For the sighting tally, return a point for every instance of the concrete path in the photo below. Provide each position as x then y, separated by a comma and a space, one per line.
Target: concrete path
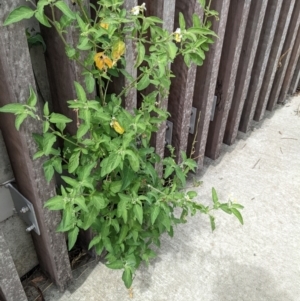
259, 261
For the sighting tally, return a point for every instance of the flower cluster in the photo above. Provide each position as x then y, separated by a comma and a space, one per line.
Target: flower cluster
138, 9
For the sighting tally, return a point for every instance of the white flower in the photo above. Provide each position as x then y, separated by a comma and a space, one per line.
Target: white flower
178, 35
137, 9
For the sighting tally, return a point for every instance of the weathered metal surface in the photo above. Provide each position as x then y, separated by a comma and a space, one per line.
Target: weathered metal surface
290, 70
260, 63
233, 41
252, 34
280, 35
182, 87
11, 288
286, 55
205, 84
16, 75
295, 80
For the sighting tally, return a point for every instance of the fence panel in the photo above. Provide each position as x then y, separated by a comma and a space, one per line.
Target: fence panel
295, 80
182, 87
280, 35
233, 41
260, 63
253, 31
16, 74
285, 57
290, 70
206, 83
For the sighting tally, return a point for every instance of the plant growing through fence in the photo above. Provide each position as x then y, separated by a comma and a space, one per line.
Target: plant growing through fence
108, 166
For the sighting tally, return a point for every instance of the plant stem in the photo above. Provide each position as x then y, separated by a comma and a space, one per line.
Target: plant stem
79, 2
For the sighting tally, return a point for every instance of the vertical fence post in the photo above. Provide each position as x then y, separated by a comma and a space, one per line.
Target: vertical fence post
290, 70
16, 75
252, 34
285, 57
10, 285
260, 63
206, 83
182, 87
233, 41
280, 35
295, 80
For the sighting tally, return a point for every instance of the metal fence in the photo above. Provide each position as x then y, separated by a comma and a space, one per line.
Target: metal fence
252, 66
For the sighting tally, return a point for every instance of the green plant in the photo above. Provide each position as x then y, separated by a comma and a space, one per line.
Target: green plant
108, 166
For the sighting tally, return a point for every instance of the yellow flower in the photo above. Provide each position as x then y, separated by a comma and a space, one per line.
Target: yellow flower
117, 127
178, 35
102, 61
104, 25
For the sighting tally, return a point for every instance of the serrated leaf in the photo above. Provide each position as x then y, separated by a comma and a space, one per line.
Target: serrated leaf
144, 82
116, 265
94, 241
48, 170
89, 82
80, 201
48, 141
138, 211
127, 277
55, 203
13, 108
57, 164
133, 160
80, 92
123, 233
192, 194
63, 7
32, 100
18, 14
82, 130
41, 17
70, 181
59, 118
154, 213
172, 50
19, 120
238, 215
38, 155
46, 109
110, 163
141, 54
72, 237
73, 162
46, 126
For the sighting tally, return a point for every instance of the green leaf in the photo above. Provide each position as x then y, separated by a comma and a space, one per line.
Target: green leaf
196, 21
13, 108
89, 82
115, 265
80, 92
57, 164
141, 54
55, 203
144, 82
181, 176
38, 155
46, 126
32, 100
238, 215
18, 14
94, 241
73, 162
46, 109
192, 194
133, 160
66, 223
48, 141
82, 130
71, 52
41, 17
214, 196
123, 233
72, 237
70, 181
172, 50
48, 170
80, 201
110, 163
19, 120
63, 7
154, 213
212, 222
127, 277
59, 118
138, 211
181, 21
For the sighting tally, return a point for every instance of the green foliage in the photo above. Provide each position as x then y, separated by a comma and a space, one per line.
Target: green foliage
110, 181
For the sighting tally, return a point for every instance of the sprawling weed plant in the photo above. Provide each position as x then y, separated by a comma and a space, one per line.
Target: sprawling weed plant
110, 183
